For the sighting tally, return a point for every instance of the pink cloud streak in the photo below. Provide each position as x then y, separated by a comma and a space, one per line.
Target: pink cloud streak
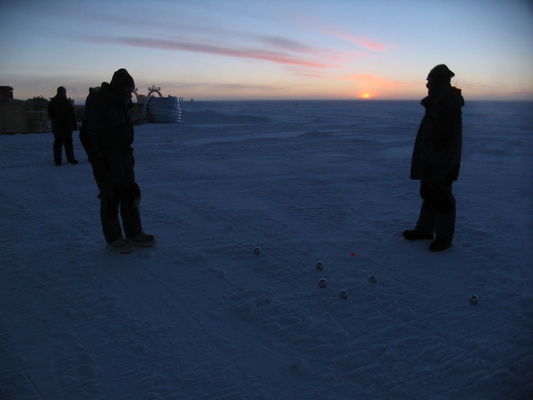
366, 43
176, 45
360, 41
318, 26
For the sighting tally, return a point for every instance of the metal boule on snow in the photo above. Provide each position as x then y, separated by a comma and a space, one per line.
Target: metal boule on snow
343, 294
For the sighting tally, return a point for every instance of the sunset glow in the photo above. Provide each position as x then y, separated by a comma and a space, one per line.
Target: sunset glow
240, 49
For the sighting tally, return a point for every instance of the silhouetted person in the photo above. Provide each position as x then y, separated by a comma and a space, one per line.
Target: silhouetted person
108, 126
437, 158
63, 117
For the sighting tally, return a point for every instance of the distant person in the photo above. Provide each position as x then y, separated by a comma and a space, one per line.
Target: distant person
436, 159
63, 117
107, 135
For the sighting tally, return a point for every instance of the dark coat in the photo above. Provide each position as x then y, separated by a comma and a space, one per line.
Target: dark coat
108, 122
437, 151
62, 114
111, 134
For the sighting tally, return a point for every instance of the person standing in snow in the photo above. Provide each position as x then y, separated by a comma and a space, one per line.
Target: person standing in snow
63, 117
107, 137
436, 159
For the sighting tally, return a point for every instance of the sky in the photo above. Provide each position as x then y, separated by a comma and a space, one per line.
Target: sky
276, 49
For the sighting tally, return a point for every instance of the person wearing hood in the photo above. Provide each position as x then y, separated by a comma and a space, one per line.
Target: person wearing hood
436, 159
108, 138
63, 117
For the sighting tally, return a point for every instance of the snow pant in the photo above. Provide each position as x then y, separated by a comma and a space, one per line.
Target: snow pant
131, 218
119, 194
63, 139
437, 214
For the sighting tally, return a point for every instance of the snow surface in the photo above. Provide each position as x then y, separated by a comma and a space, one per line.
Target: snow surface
200, 316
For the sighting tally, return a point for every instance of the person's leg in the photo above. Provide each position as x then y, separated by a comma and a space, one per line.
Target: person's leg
109, 217
131, 218
69, 150
425, 225
58, 149
427, 218
445, 216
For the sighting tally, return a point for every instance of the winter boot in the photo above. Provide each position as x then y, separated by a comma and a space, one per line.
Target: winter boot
142, 240
439, 245
120, 245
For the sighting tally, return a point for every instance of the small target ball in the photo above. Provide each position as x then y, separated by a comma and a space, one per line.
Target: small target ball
343, 294
322, 283
257, 250
474, 299
372, 279
319, 266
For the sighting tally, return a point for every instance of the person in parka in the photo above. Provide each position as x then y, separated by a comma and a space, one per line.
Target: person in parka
107, 137
436, 159
63, 117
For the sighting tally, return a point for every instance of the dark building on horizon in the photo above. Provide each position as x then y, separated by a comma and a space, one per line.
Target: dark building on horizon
6, 93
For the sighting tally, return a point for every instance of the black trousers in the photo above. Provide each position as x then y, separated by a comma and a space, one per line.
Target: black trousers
60, 140
115, 179
437, 214
110, 207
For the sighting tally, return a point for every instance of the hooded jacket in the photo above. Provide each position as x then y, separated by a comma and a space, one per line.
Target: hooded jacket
110, 130
437, 151
108, 122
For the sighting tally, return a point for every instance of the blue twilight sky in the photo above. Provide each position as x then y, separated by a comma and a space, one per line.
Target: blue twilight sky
274, 49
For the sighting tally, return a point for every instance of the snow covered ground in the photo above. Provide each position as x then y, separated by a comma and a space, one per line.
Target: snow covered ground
200, 316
